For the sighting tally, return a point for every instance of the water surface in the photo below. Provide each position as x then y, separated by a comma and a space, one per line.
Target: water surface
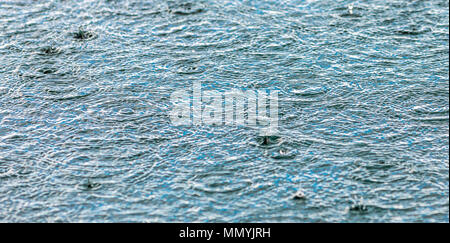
85, 134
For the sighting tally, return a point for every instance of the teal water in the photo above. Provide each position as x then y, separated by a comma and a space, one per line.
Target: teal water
85, 134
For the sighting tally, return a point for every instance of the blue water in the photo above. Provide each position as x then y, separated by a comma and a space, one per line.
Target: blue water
85, 134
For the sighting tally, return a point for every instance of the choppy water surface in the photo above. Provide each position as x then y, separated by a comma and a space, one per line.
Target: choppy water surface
85, 133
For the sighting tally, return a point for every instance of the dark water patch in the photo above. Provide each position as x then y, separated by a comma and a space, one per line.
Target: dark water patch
189, 66
48, 70
268, 140
360, 208
350, 15
89, 185
283, 153
50, 50
83, 34
184, 9
412, 32
299, 195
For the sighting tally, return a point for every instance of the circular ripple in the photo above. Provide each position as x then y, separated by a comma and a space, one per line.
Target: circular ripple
219, 183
